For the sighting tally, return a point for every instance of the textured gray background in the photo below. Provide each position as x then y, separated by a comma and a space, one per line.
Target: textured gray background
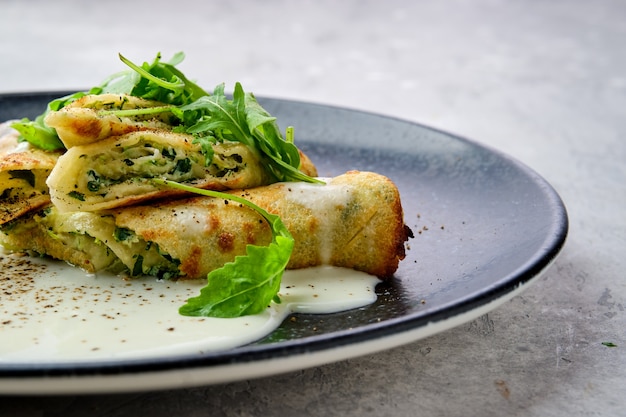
544, 81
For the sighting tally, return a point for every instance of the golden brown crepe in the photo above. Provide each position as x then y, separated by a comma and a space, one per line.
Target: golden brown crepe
85, 120
23, 173
45, 232
354, 221
117, 171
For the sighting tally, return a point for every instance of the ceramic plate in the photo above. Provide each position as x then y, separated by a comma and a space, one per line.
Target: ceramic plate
485, 226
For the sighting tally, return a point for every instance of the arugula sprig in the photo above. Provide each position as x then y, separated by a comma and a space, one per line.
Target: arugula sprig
247, 285
204, 115
242, 119
160, 81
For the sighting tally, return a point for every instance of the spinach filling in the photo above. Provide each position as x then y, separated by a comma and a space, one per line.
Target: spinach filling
147, 160
148, 258
23, 174
6, 194
20, 184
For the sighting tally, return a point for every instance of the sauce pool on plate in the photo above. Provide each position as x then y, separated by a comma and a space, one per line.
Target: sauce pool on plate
52, 312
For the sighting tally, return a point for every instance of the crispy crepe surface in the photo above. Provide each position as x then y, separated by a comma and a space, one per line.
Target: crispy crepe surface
355, 221
23, 173
82, 121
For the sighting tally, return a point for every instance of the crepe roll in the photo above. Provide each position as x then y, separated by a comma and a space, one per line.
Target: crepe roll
86, 120
23, 173
117, 171
354, 221
57, 235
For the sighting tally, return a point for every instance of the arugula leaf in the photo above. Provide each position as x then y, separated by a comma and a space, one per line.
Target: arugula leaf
213, 116
242, 119
160, 81
156, 81
283, 154
247, 285
38, 134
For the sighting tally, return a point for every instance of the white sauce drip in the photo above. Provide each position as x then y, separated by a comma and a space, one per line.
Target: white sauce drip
59, 314
323, 203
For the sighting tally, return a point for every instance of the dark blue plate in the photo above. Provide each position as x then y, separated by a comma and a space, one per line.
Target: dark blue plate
484, 224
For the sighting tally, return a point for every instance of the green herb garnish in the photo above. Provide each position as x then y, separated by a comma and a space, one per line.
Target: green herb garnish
242, 119
122, 234
38, 134
249, 283
160, 81
77, 195
209, 117
609, 344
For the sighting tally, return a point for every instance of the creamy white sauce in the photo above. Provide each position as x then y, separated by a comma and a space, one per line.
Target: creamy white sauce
322, 200
50, 312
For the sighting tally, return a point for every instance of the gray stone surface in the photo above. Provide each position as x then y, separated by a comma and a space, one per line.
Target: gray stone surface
544, 82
